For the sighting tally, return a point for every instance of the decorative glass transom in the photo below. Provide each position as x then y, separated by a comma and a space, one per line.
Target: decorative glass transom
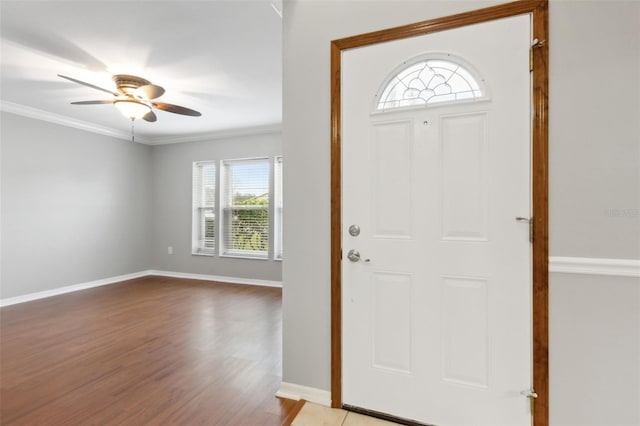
429, 81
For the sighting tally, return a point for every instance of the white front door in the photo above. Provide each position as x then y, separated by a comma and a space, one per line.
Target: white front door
437, 311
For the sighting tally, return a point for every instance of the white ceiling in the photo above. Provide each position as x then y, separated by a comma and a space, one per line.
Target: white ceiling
222, 58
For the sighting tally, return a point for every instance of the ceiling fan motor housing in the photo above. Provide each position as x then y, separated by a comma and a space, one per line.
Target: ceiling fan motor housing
127, 84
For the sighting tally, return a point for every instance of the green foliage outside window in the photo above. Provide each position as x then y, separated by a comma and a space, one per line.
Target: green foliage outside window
250, 225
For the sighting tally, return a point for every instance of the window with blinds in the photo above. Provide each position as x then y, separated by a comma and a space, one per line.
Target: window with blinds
204, 207
278, 208
245, 208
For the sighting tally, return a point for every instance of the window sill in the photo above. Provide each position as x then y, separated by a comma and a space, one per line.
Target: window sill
242, 256
203, 254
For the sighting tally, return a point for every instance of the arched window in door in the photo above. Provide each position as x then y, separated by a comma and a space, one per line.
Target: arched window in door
430, 79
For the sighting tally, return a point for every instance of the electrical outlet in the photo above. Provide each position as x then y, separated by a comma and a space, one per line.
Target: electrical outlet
170, 250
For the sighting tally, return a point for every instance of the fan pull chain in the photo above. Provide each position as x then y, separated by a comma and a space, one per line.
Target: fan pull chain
132, 135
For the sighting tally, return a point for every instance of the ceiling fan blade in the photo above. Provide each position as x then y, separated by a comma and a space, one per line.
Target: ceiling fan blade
84, 83
151, 91
150, 116
176, 109
91, 102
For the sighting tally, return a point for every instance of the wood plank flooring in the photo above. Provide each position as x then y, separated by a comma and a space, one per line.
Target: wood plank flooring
154, 350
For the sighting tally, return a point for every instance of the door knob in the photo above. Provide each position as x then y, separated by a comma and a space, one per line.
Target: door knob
354, 256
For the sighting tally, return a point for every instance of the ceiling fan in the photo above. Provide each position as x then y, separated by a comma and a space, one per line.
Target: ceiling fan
134, 98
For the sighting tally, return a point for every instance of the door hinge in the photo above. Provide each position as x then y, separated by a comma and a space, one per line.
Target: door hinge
537, 44
529, 393
532, 395
529, 221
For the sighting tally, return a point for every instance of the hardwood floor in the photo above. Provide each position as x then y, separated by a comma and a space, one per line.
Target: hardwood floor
154, 350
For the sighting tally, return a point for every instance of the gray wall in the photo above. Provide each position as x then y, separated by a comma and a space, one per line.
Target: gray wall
79, 207
594, 203
594, 126
594, 163
172, 175
594, 350
75, 206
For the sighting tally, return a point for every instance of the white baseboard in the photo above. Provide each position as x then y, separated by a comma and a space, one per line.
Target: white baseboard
70, 288
112, 280
219, 278
595, 266
557, 264
298, 392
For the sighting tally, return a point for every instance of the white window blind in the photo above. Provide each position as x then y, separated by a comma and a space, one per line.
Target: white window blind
246, 208
278, 208
204, 207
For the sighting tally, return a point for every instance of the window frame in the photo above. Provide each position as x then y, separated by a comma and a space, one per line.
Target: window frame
226, 209
198, 242
278, 207
274, 210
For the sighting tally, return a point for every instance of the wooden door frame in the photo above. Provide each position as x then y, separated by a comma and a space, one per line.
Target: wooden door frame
539, 11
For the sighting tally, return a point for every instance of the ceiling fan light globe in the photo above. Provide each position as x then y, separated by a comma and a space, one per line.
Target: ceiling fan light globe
132, 109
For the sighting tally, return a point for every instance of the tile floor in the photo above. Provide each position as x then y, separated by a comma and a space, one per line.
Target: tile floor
318, 415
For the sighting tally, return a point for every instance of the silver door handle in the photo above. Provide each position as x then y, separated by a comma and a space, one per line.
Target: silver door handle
354, 256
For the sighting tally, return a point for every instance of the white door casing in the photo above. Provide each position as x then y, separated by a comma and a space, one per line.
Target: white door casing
437, 324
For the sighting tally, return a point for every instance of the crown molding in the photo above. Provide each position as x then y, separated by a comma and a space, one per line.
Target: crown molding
62, 120
222, 134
